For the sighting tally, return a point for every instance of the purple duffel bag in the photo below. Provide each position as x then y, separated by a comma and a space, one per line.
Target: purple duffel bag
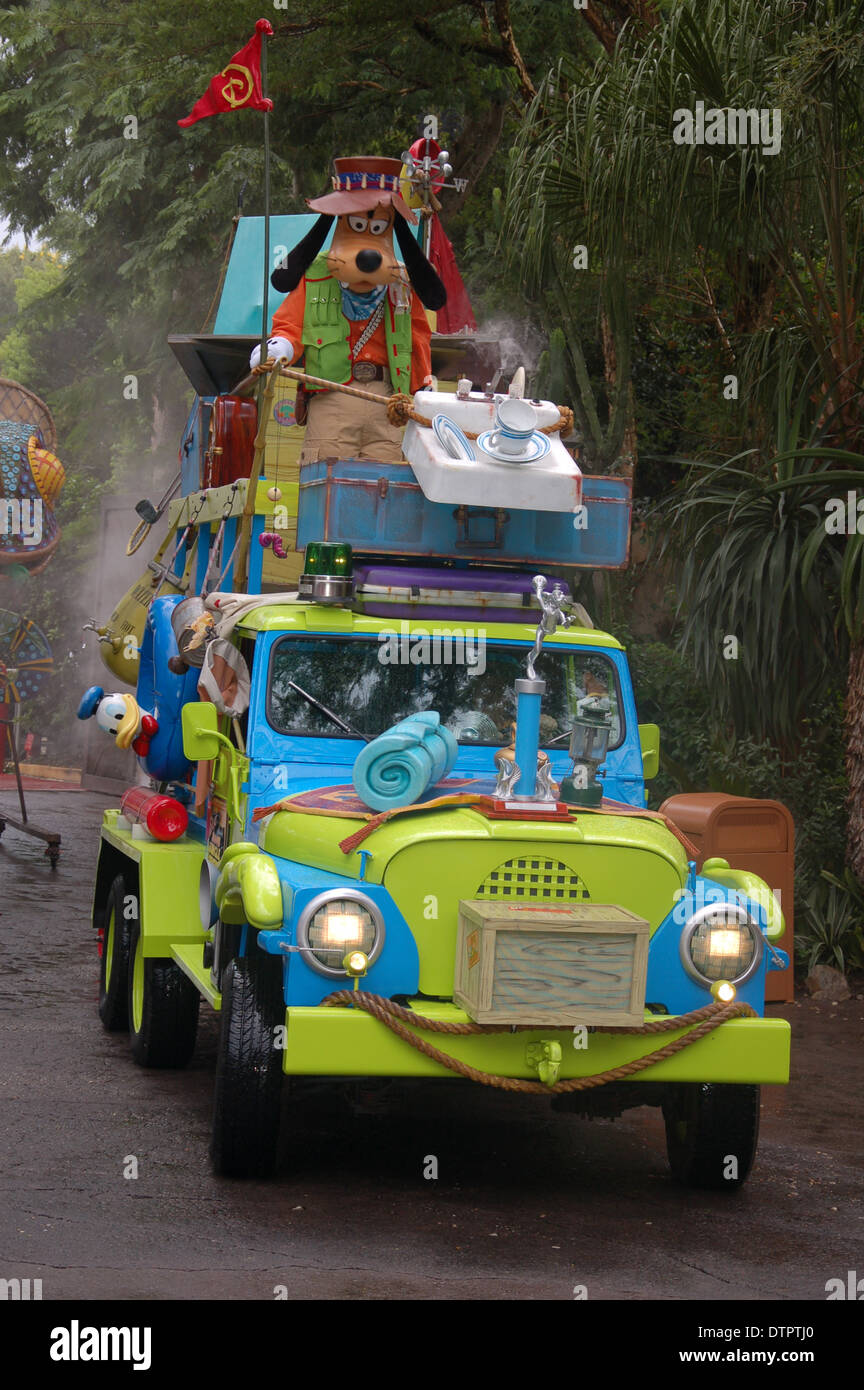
472, 595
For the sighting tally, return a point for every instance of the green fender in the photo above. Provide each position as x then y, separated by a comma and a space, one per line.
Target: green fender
248, 888
751, 886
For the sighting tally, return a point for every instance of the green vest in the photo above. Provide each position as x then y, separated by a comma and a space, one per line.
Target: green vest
326, 332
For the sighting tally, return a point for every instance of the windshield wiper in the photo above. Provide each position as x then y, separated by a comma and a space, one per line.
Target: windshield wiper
334, 718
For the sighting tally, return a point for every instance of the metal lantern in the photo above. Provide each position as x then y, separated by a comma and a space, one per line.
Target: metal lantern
589, 743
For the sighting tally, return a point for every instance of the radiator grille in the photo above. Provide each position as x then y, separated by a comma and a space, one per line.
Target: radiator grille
545, 879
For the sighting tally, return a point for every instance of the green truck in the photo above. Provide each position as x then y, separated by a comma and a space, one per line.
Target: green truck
568, 948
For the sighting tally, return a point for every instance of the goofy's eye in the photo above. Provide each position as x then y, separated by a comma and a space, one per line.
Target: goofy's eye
378, 225
357, 224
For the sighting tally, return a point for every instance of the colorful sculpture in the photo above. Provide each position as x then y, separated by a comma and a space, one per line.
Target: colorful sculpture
31, 477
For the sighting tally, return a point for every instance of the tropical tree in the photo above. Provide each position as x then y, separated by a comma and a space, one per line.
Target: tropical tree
137, 214
92, 162
766, 231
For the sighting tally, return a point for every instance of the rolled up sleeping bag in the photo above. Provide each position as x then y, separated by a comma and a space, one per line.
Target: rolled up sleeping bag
396, 768
438, 741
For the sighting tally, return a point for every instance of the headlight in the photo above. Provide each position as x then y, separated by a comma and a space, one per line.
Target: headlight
334, 924
720, 942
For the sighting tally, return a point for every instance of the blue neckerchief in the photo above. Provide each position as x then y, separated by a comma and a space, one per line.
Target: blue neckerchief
361, 306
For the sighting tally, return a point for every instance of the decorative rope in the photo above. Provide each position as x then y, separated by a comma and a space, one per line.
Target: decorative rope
400, 408
481, 801
394, 1017
294, 374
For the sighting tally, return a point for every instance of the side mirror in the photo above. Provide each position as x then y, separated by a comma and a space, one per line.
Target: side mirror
649, 738
201, 738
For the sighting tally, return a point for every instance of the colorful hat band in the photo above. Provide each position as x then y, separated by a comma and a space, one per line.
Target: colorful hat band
347, 183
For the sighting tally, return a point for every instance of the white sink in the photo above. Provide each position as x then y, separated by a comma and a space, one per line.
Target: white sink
478, 412
551, 484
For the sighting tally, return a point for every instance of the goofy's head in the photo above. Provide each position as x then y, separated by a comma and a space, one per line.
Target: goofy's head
370, 213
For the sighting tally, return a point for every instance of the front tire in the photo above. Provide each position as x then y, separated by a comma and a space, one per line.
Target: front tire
249, 1069
712, 1132
163, 1009
114, 962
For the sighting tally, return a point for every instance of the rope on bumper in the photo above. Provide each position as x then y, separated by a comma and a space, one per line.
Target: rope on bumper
701, 1022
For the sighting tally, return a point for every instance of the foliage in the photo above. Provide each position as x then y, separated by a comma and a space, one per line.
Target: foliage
698, 753
133, 214
750, 595
761, 238
758, 244
829, 928
36, 277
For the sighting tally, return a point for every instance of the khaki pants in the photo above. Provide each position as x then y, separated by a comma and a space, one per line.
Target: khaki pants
340, 426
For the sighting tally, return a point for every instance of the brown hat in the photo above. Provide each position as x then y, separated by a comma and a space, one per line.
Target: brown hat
355, 178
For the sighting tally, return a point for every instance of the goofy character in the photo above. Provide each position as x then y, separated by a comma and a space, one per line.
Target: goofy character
356, 312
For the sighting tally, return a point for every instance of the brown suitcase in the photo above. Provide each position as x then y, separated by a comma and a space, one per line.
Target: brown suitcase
231, 446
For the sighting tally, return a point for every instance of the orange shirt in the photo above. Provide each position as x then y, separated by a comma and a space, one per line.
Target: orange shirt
288, 323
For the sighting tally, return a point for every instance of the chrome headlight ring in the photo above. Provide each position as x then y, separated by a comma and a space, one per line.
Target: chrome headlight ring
306, 919
730, 909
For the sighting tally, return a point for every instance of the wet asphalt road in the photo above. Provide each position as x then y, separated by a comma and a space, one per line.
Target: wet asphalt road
527, 1204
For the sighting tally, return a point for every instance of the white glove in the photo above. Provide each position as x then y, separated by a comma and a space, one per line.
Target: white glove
276, 348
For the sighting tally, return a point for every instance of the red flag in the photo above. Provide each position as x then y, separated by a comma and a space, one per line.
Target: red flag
238, 84
457, 315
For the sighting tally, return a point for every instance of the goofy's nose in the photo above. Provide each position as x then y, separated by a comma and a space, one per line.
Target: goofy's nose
368, 259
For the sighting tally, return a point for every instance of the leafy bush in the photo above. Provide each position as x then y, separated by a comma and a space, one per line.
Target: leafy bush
829, 927
698, 753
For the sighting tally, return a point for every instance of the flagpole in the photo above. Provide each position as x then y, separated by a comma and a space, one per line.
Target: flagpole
266, 384
265, 327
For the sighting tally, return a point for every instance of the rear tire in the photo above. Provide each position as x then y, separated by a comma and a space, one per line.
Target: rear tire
114, 964
249, 1069
163, 1009
712, 1132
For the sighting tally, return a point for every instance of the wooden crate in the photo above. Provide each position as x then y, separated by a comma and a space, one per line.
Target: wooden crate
523, 963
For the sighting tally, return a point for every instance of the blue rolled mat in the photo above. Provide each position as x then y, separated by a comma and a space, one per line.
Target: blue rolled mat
396, 768
443, 741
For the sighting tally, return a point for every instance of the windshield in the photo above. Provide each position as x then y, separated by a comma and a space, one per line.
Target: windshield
370, 685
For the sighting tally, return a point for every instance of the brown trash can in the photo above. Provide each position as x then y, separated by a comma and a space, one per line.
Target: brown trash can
748, 834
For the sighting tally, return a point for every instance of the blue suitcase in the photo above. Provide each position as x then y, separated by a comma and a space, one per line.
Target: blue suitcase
380, 509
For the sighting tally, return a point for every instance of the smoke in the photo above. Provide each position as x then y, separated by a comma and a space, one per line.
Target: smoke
520, 342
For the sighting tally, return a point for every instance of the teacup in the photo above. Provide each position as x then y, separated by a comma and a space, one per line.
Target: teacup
516, 423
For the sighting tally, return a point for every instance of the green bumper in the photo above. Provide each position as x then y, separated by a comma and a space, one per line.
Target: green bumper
346, 1042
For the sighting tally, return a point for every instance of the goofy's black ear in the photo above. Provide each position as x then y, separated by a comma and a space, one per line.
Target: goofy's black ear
430, 290
290, 271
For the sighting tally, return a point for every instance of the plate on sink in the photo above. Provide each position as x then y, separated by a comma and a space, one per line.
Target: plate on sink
537, 447
451, 439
